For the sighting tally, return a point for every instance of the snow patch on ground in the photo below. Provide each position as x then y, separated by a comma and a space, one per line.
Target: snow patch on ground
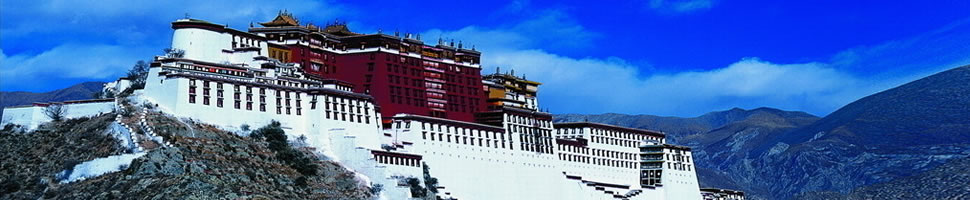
740, 138
778, 148
98, 167
817, 136
123, 136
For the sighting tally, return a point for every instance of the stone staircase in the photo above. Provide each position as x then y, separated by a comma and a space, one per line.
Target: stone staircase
593, 188
360, 160
140, 132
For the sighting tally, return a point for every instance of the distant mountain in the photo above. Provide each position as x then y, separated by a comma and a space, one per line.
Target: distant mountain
889, 135
722, 150
947, 181
76, 92
895, 133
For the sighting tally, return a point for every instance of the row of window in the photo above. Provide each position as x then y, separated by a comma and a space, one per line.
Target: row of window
287, 102
678, 158
414, 97
533, 138
346, 110
650, 177
281, 101
622, 135
528, 121
279, 54
679, 166
237, 100
536, 148
598, 161
598, 152
451, 81
482, 142
241, 41
614, 141
448, 129
212, 69
437, 65
412, 162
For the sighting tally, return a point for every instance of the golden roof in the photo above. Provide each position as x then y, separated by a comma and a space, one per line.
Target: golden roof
283, 19
339, 29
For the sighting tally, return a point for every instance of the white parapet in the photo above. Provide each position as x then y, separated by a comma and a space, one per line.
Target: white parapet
33, 116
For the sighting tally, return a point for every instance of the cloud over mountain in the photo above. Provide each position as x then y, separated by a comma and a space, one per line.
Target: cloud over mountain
597, 85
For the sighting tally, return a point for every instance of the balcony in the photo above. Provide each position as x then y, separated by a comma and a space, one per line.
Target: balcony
651, 167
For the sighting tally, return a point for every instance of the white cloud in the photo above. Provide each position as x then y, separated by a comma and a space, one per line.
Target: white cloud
69, 61
599, 85
612, 85
53, 44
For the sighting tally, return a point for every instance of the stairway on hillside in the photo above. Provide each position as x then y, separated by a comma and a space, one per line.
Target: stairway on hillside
361, 160
142, 133
591, 187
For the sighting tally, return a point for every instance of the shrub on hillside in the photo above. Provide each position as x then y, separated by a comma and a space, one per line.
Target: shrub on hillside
430, 182
376, 189
276, 137
417, 191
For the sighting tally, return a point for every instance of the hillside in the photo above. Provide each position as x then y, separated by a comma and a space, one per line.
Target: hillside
947, 181
75, 92
722, 150
895, 133
202, 163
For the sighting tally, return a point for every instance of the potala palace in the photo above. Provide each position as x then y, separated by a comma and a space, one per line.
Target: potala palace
387, 104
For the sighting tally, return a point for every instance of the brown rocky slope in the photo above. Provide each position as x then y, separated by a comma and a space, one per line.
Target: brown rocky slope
203, 162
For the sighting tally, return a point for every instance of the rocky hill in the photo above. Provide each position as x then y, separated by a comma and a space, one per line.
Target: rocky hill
896, 133
720, 151
947, 181
202, 162
30, 160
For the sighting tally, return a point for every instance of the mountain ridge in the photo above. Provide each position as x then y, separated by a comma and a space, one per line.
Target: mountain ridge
80, 91
892, 134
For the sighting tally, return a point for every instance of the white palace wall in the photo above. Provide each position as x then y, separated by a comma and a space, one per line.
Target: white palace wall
298, 117
33, 116
474, 170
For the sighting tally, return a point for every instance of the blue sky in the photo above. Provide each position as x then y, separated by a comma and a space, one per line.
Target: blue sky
661, 57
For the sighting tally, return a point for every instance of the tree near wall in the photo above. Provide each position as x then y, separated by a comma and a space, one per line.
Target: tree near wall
138, 74
174, 52
103, 94
55, 111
